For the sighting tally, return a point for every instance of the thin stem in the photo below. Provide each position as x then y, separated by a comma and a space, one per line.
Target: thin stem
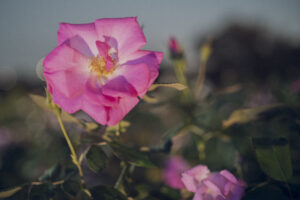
200, 79
121, 176
73, 153
205, 54
180, 75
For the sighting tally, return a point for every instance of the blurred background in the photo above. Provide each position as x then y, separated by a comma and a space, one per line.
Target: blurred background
255, 45
28, 28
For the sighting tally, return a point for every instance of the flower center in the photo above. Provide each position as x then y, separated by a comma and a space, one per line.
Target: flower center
98, 66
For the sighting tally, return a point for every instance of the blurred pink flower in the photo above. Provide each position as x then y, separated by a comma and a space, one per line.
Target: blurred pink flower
296, 86
5, 138
172, 172
100, 69
193, 178
175, 48
213, 186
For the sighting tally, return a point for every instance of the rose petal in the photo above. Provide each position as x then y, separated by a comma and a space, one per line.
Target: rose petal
65, 69
125, 33
229, 176
218, 180
138, 75
198, 195
103, 49
236, 193
193, 177
80, 45
97, 111
151, 59
213, 187
86, 31
117, 113
119, 87
94, 94
64, 57
69, 105
172, 172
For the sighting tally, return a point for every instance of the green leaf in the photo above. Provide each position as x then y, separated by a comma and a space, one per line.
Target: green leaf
122, 127
72, 185
243, 116
96, 158
48, 105
219, 154
82, 195
177, 86
107, 193
133, 156
40, 101
41, 192
166, 142
274, 157
51, 174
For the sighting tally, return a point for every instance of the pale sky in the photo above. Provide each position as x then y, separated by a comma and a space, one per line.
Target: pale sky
28, 27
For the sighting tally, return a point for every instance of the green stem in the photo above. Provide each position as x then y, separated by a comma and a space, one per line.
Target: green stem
205, 54
120, 178
73, 153
200, 79
180, 75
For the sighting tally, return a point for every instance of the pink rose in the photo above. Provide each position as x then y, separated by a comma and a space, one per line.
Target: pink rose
99, 68
193, 178
213, 186
172, 172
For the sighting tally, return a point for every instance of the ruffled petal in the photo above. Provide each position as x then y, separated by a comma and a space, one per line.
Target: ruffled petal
117, 113
64, 57
229, 176
97, 111
172, 172
124, 34
198, 195
103, 49
65, 74
211, 186
119, 87
80, 45
151, 59
138, 75
236, 193
70, 105
94, 94
85, 31
193, 177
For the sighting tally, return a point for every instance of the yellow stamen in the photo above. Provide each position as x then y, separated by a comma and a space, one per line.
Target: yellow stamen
98, 66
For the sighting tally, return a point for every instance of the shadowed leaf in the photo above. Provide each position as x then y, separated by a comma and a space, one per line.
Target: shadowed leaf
40, 101
243, 116
41, 192
274, 157
265, 192
131, 155
51, 174
107, 193
96, 158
